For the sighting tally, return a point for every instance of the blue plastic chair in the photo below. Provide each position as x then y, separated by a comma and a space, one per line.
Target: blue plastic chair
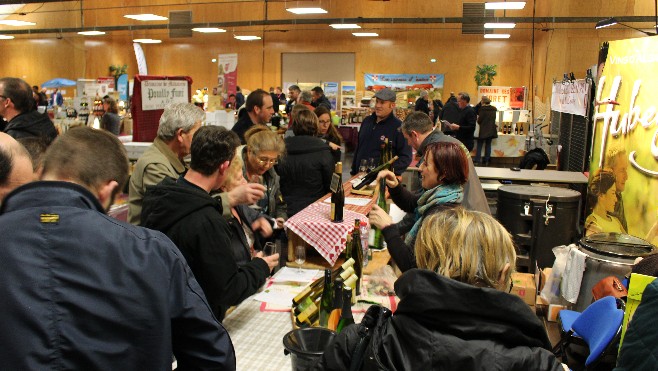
598, 326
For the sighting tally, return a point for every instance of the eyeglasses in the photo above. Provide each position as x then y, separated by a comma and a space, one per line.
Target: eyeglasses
267, 161
323, 122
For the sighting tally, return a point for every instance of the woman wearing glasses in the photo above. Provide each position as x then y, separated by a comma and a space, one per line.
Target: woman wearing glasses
260, 154
455, 312
328, 132
308, 166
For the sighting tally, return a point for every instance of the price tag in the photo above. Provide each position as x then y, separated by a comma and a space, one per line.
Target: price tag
335, 182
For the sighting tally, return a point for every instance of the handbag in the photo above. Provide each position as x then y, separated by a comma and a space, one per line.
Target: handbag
609, 286
476, 133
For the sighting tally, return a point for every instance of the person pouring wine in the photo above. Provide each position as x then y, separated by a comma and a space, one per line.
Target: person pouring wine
444, 172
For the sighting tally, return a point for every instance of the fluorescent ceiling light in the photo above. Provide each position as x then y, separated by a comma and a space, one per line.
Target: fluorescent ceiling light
91, 33
606, 22
344, 26
496, 36
6, 37
13, 22
505, 5
307, 10
208, 29
499, 25
365, 34
146, 17
247, 37
433, 60
147, 41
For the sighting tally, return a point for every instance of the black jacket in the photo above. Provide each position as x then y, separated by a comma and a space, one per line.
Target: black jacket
466, 123
32, 124
239, 244
305, 172
487, 121
193, 220
83, 291
322, 101
243, 124
443, 324
423, 106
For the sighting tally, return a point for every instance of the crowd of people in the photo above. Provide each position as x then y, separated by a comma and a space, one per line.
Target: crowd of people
193, 247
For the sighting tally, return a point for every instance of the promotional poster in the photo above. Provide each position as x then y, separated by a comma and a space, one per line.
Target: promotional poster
623, 181
404, 82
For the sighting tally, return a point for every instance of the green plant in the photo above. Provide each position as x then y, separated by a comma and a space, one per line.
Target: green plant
484, 74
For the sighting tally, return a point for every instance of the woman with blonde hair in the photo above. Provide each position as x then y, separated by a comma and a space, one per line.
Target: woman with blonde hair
263, 150
455, 313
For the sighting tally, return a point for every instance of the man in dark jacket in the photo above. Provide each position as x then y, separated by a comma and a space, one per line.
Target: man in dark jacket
17, 107
375, 128
319, 99
184, 210
83, 291
239, 97
464, 127
443, 324
259, 107
422, 103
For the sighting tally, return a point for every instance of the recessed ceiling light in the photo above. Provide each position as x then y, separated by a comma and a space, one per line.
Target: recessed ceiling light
208, 29
496, 36
91, 33
247, 37
365, 34
344, 26
147, 41
146, 17
499, 25
6, 37
213, 60
433, 60
505, 5
307, 10
13, 22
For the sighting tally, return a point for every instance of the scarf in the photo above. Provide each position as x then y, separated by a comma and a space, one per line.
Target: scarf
441, 194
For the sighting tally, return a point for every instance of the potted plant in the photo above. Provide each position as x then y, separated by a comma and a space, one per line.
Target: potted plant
116, 71
484, 74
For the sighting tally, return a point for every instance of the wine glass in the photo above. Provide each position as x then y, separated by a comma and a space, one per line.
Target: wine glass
371, 164
300, 256
363, 167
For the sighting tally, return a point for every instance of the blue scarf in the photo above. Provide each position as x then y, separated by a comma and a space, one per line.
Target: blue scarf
441, 194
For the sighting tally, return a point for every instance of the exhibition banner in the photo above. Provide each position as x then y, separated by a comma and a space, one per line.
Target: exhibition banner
404, 82
625, 149
157, 94
227, 77
347, 94
571, 97
503, 97
331, 92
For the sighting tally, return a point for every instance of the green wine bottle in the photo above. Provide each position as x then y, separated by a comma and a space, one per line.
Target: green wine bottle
378, 240
357, 254
326, 301
346, 317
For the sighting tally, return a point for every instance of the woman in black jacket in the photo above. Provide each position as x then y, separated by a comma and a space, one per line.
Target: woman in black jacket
307, 168
455, 313
444, 172
488, 131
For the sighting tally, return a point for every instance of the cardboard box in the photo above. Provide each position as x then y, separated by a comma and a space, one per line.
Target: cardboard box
553, 310
524, 287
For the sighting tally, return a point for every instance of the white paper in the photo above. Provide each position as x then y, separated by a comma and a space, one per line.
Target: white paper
287, 274
279, 294
352, 201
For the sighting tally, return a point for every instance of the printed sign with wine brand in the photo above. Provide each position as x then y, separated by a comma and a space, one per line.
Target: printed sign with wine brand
623, 179
157, 94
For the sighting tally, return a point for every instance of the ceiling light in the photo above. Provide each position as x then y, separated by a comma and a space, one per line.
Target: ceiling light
365, 34
433, 60
147, 41
307, 10
606, 22
13, 22
214, 60
499, 25
6, 37
91, 33
146, 17
247, 37
496, 36
344, 26
505, 5
208, 29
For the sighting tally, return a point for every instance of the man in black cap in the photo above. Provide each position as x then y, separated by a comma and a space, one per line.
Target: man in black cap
382, 124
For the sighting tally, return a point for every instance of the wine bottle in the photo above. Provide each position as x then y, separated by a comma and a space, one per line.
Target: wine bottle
382, 152
337, 306
371, 176
314, 290
338, 196
389, 150
307, 316
378, 241
351, 283
346, 317
326, 300
357, 254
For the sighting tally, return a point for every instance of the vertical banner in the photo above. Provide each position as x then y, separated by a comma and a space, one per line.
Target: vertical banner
141, 59
227, 77
623, 181
347, 94
331, 92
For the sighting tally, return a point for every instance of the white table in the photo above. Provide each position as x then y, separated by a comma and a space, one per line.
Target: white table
543, 176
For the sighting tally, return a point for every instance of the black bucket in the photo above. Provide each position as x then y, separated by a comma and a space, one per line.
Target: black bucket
306, 346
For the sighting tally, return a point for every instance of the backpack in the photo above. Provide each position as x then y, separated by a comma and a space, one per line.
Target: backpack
375, 318
535, 158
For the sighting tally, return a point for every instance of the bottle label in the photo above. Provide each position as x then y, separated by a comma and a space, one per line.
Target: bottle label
333, 211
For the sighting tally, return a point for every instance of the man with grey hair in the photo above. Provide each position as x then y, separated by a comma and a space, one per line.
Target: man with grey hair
306, 98
616, 162
423, 103
465, 126
15, 165
419, 132
164, 158
293, 95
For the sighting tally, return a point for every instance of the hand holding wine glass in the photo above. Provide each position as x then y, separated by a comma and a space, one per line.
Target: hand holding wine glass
300, 256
